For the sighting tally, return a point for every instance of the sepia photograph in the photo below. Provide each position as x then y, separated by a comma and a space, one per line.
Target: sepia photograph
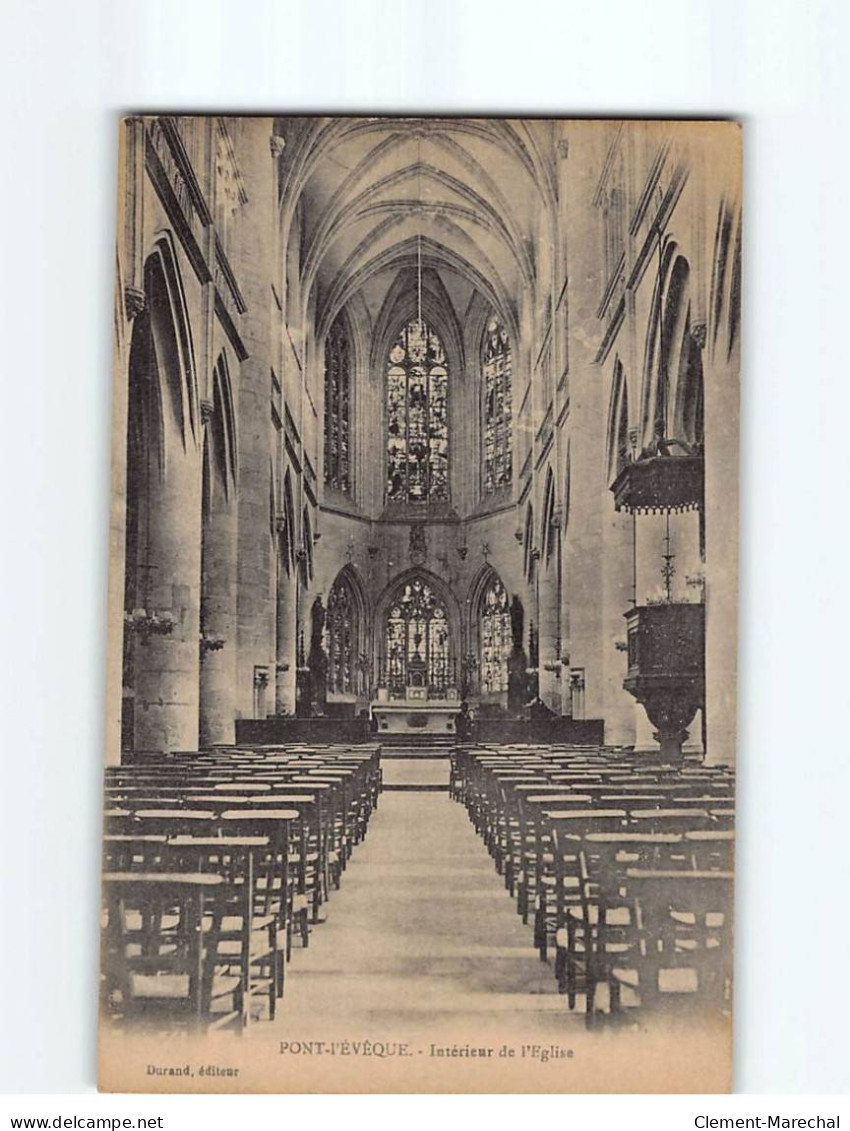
422, 605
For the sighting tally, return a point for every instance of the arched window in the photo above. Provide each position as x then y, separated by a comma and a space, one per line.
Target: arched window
341, 637
416, 641
306, 548
417, 421
338, 408
528, 542
690, 422
547, 534
494, 633
618, 423
668, 320
496, 376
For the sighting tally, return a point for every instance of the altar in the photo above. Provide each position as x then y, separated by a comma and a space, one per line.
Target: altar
415, 716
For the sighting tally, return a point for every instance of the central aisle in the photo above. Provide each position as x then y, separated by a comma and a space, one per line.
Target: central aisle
422, 933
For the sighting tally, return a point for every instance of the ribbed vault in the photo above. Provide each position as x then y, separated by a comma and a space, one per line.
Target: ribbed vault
376, 197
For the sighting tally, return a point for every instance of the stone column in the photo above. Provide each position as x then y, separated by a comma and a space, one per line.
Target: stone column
218, 620
287, 609
618, 705
167, 702
254, 252
721, 571
581, 157
549, 639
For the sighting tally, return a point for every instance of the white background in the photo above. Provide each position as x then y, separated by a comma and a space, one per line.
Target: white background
68, 70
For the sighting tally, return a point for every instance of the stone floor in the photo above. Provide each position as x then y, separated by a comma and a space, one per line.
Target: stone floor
423, 936
416, 773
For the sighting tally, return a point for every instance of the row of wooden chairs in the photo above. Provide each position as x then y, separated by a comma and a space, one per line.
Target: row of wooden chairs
213, 861
593, 842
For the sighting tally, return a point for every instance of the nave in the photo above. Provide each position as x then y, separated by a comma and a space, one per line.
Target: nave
423, 935
240, 890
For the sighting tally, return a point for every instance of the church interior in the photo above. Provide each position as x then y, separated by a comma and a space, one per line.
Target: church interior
422, 595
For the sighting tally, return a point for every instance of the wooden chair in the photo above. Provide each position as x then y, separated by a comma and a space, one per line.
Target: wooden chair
600, 929
278, 896
683, 930
172, 982
560, 881
248, 939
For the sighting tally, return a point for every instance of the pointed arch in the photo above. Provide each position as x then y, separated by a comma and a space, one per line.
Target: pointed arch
306, 548
547, 541
618, 423
528, 542
163, 431
286, 527
400, 306
490, 630
496, 361
666, 337
689, 406
165, 324
725, 295
222, 427
395, 647
568, 488
339, 404
345, 633
417, 417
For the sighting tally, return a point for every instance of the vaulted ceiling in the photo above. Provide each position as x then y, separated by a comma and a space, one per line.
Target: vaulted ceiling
379, 198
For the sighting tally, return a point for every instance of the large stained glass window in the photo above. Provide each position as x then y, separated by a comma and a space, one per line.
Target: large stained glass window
341, 624
338, 408
417, 640
495, 637
496, 373
417, 424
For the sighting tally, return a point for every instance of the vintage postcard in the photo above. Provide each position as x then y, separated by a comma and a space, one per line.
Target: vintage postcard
421, 689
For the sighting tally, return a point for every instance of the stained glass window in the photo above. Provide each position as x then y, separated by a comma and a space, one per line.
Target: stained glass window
338, 408
495, 637
417, 640
417, 423
341, 625
496, 365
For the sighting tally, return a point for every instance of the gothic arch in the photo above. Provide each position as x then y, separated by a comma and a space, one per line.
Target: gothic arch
489, 600
618, 423
339, 396
547, 540
495, 373
165, 331
528, 543
725, 294
400, 306
306, 548
668, 335
351, 575
418, 417
689, 404
222, 426
346, 633
568, 489
457, 634
163, 436
286, 527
